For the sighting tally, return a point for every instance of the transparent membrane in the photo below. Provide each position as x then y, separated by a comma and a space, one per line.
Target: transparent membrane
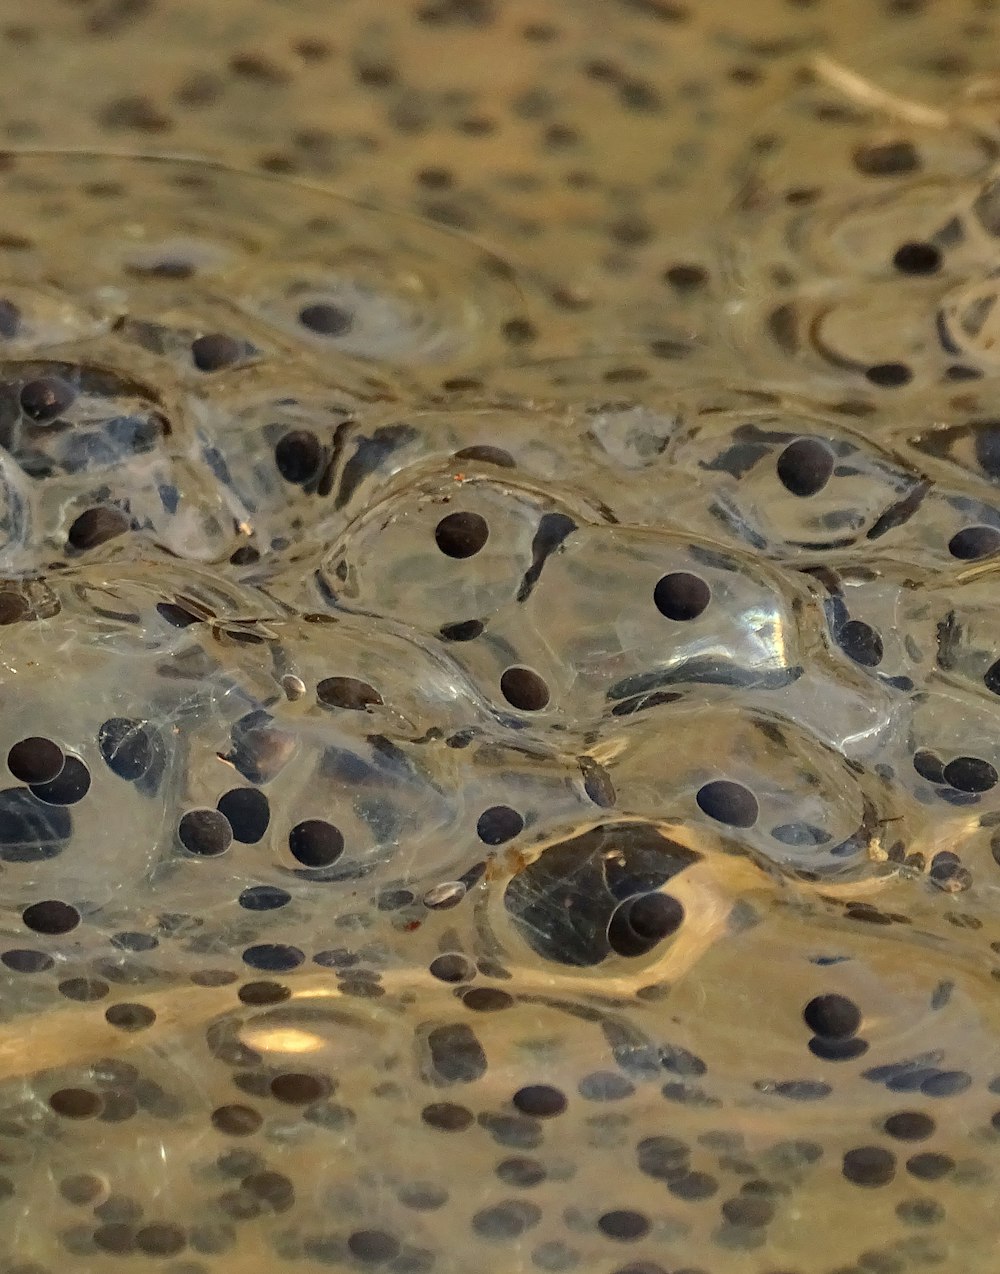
495, 782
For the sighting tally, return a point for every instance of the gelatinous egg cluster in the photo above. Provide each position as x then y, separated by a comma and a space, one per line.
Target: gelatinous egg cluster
462, 815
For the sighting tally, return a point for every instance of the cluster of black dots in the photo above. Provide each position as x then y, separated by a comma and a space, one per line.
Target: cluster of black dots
54, 780
804, 468
679, 596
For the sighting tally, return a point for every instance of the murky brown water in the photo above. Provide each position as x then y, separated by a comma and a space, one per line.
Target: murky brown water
500, 678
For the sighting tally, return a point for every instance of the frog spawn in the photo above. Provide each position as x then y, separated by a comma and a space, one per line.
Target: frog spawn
428, 833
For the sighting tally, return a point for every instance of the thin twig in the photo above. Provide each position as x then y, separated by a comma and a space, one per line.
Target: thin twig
864, 92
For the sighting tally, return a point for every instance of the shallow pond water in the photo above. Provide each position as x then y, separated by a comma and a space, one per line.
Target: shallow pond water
498, 617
